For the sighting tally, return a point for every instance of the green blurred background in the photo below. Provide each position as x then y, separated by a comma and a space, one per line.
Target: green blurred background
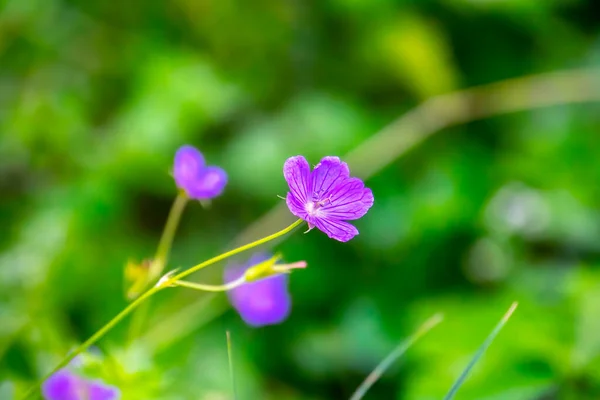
95, 97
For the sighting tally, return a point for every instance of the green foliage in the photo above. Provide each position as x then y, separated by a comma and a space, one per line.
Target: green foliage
95, 97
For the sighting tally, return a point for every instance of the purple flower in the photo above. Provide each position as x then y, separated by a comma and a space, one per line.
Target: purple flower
327, 196
65, 385
198, 180
262, 302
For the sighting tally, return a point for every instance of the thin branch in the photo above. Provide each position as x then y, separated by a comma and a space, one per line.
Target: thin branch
488, 341
394, 355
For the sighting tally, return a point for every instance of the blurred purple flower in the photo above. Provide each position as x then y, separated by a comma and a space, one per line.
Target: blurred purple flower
262, 302
327, 196
199, 181
65, 385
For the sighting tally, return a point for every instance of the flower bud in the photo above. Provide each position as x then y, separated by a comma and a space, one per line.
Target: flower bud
270, 267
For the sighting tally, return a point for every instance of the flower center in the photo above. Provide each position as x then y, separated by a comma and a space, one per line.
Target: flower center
312, 207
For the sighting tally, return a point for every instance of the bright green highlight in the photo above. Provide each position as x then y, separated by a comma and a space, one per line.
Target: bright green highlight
209, 288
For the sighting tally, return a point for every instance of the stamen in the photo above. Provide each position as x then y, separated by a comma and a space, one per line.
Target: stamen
283, 268
324, 201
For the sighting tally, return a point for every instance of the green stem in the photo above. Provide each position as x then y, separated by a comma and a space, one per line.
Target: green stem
160, 260
95, 337
150, 292
233, 252
212, 288
137, 322
164, 245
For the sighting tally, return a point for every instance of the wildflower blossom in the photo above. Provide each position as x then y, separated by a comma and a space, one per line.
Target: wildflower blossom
262, 302
65, 385
199, 181
327, 196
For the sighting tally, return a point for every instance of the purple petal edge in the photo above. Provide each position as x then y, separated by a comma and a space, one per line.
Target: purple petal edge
97, 390
296, 172
338, 230
62, 385
328, 175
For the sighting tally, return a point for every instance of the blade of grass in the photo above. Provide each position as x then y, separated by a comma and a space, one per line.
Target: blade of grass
488, 341
394, 355
230, 357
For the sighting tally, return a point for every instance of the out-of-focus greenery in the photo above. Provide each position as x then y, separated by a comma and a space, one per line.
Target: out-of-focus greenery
96, 96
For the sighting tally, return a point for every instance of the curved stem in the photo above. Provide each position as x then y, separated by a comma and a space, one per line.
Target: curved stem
235, 251
212, 288
93, 339
447, 110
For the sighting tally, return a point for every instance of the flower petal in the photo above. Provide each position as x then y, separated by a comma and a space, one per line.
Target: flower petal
263, 302
99, 391
188, 164
349, 200
338, 230
208, 184
328, 174
63, 385
296, 172
295, 206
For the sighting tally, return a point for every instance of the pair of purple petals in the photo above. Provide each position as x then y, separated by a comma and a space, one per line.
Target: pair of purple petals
259, 303
194, 177
66, 385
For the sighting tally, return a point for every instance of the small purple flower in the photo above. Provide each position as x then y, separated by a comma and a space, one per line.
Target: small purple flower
262, 302
199, 181
327, 196
65, 385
